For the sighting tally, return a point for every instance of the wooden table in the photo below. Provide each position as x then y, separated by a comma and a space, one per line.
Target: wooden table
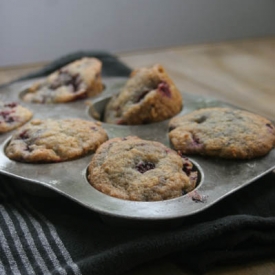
239, 72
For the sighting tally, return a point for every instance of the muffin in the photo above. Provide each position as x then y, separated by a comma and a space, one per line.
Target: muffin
140, 170
148, 96
44, 141
79, 79
12, 115
222, 132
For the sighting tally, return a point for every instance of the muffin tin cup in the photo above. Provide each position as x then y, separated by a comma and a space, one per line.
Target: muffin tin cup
218, 178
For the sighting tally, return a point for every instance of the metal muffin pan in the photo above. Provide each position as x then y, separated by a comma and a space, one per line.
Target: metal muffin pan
218, 177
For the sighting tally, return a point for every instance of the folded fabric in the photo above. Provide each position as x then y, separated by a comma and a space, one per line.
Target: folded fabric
54, 235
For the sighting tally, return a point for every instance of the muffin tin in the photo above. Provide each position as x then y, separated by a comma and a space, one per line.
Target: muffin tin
218, 178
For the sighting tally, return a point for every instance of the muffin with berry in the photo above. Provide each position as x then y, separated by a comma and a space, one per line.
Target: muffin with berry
148, 96
79, 79
50, 140
13, 115
222, 132
140, 170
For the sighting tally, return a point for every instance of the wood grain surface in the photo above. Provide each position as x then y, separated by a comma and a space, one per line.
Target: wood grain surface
238, 72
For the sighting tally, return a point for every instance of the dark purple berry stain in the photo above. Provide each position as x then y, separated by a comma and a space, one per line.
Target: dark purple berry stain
94, 128
10, 105
187, 168
28, 148
197, 197
66, 79
75, 82
9, 119
269, 126
143, 167
6, 116
24, 135
163, 87
5, 113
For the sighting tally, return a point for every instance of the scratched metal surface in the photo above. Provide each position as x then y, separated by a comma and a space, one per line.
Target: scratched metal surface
219, 178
